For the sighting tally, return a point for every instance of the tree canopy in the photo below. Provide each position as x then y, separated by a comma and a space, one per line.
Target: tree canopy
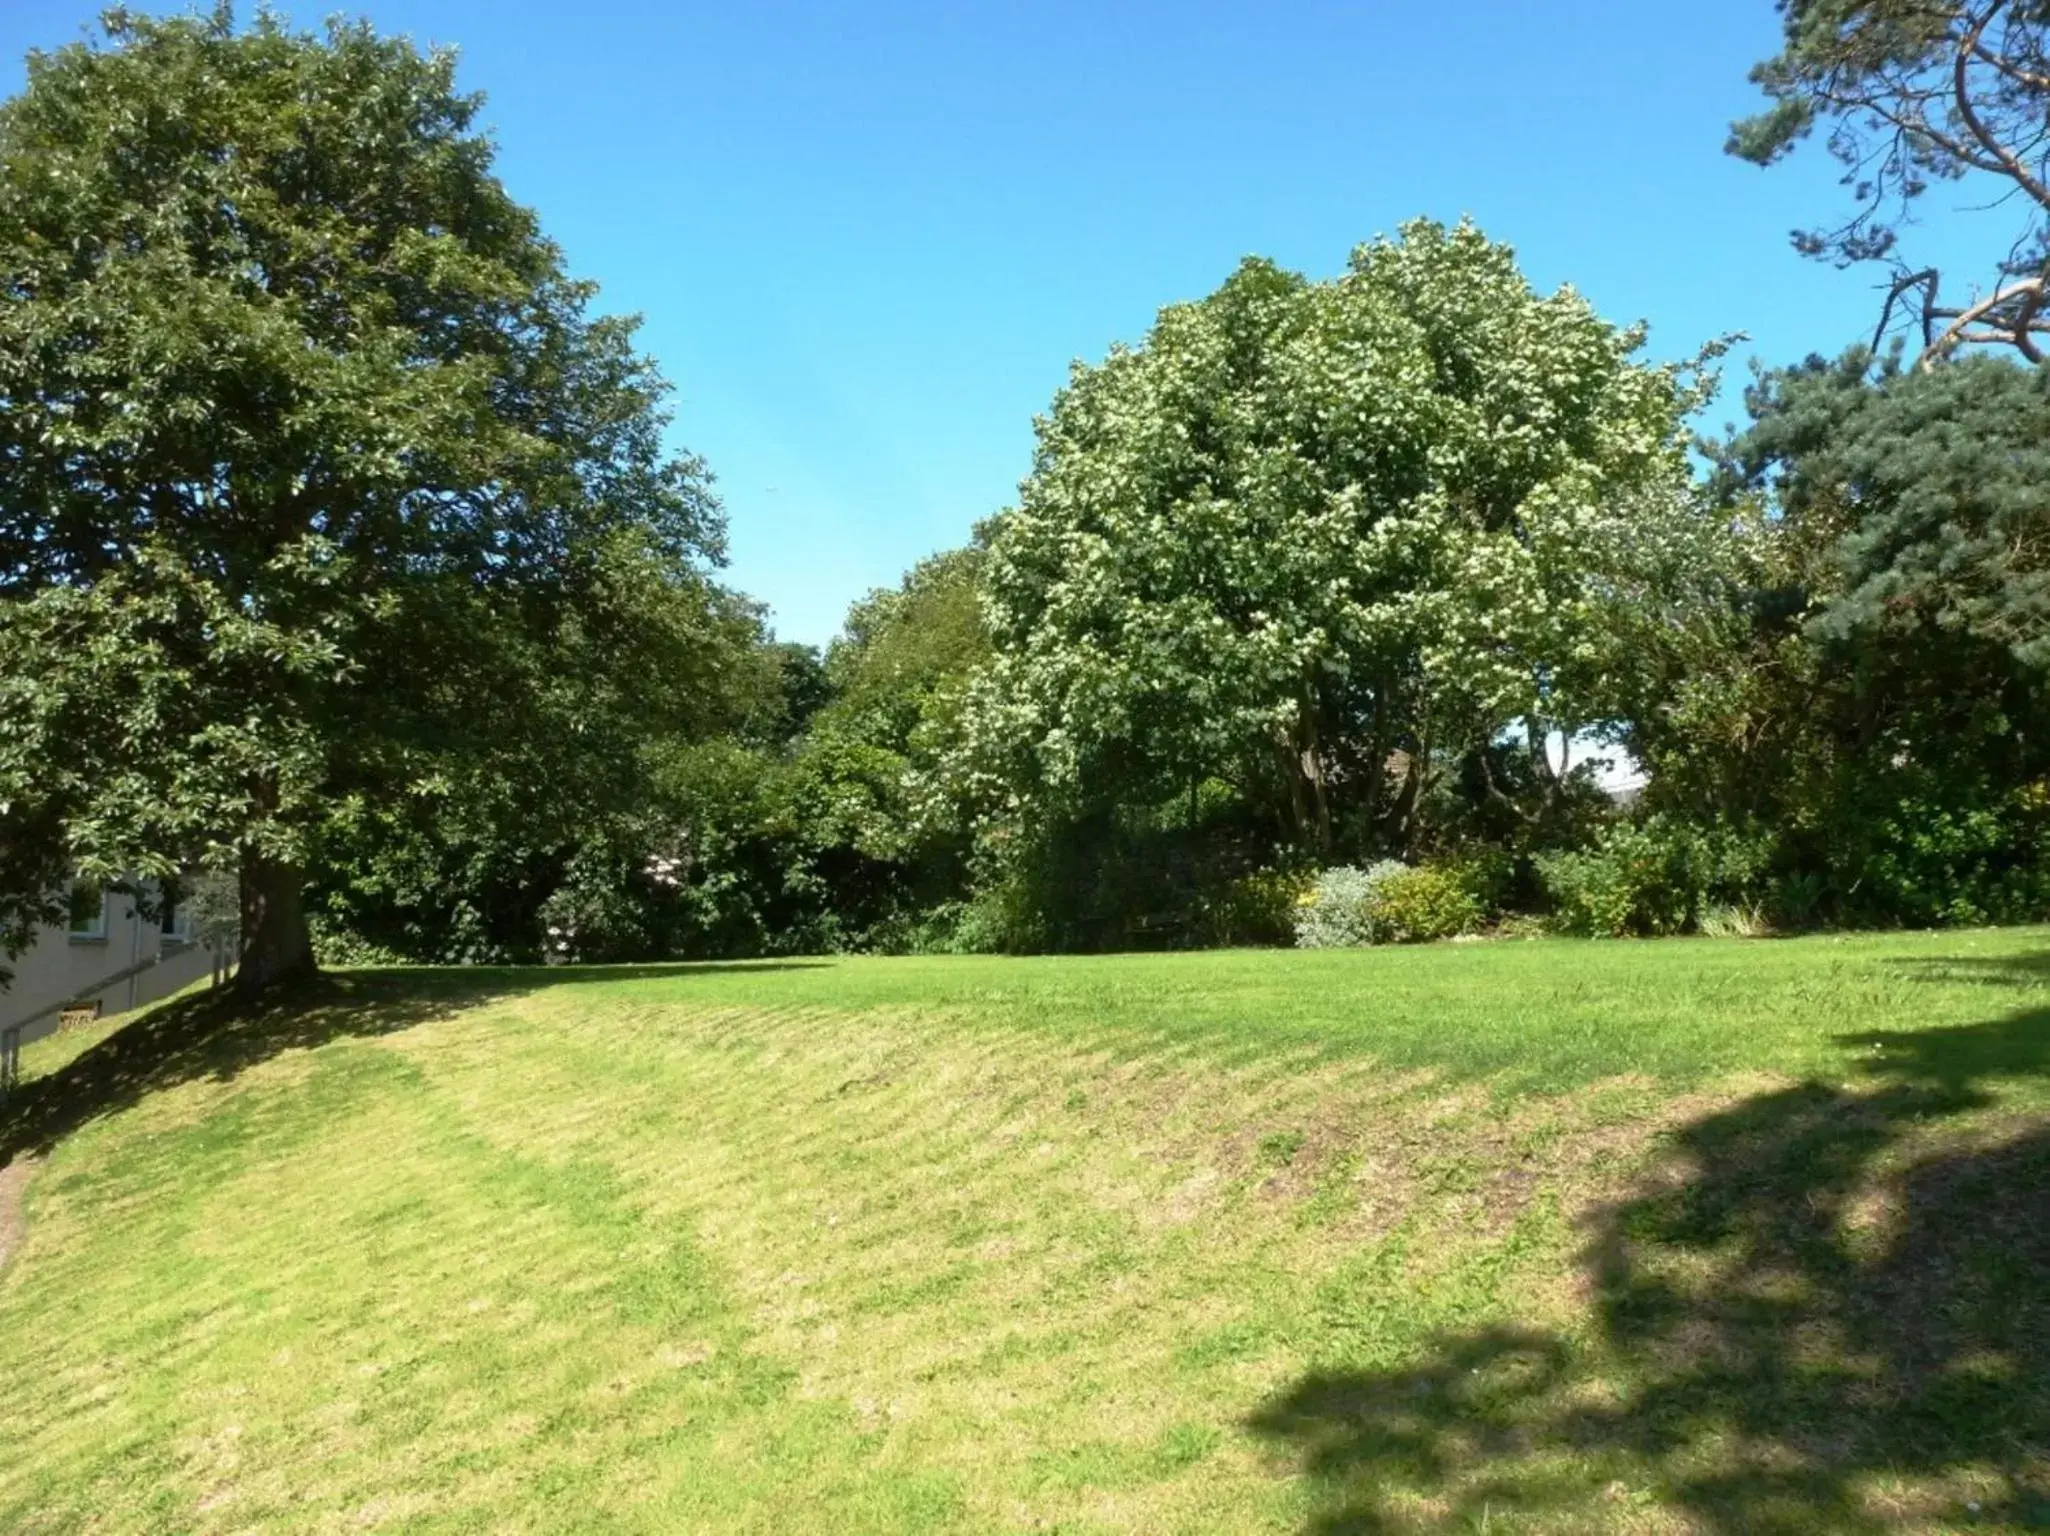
343, 552
323, 493
1876, 702
1916, 93
1315, 539
1937, 484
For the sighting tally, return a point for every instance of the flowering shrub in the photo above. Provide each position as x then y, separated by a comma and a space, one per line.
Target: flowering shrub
665, 871
1386, 903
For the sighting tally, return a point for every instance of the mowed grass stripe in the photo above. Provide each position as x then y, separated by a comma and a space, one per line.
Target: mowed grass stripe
1546, 1014
843, 1247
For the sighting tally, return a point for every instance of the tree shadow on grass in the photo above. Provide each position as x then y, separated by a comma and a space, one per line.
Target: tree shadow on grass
2031, 968
218, 1036
1832, 1313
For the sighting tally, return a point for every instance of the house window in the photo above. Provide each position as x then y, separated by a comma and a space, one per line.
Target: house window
174, 917
88, 913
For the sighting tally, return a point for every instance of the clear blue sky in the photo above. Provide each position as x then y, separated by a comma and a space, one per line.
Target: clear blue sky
868, 237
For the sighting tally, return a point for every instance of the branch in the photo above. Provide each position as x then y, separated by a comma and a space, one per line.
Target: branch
1913, 125
1926, 280
2013, 71
1969, 114
2030, 289
1494, 789
2025, 322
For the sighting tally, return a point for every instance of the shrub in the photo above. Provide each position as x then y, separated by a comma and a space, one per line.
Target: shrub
1388, 903
589, 919
1941, 862
986, 924
1649, 877
1796, 899
1337, 911
1734, 920
1489, 875
1609, 890
337, 945
1259, 908
1414, 905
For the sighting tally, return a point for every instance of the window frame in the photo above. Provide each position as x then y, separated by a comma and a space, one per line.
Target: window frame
174, 918
86, 931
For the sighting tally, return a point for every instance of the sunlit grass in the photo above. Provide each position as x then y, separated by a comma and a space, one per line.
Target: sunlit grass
1225, 1242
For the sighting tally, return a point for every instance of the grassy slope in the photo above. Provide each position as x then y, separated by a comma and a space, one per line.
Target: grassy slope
1642, 1237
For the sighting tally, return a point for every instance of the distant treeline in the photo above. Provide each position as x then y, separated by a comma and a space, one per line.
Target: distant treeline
343, 558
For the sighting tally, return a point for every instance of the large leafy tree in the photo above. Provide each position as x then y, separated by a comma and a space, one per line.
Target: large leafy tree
322, 492
869, 786
822, 820
1914, 94
1878, 697
1317, 541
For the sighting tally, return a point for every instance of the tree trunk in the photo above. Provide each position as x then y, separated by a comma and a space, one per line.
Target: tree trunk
1539, 738
1313, 809
1415, 784
1322, 799
1295, 816
276, 946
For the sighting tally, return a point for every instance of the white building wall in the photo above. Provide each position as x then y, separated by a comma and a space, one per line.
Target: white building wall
64, 967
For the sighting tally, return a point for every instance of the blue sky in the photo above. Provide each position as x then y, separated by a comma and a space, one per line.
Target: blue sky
869, 237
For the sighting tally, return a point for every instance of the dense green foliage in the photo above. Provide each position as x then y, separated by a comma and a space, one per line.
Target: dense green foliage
1874, 705
332, 523
341, 550
1305, 576
817, 820
1655, 876
1307, 527
348, 581
1387, 903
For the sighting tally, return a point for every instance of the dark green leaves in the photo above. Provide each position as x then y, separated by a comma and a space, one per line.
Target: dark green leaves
321, 489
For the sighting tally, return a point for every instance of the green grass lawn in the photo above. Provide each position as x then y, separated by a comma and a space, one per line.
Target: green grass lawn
1688, 1236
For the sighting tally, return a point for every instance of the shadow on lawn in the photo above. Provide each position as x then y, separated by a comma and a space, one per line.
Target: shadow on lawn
1814, 1303
214, 1035
2029, 969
